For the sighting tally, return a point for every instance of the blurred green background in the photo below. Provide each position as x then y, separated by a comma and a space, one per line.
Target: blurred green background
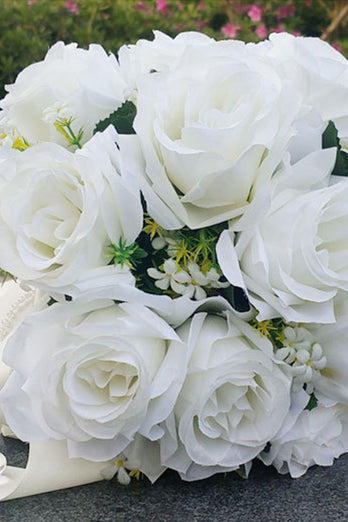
29, 27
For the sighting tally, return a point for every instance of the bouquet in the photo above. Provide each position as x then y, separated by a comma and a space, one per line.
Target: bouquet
174, 229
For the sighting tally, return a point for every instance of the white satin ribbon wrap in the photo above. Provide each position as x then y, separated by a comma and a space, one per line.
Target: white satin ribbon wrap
49, 468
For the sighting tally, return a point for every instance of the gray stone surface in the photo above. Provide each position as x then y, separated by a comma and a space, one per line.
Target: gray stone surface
321, 495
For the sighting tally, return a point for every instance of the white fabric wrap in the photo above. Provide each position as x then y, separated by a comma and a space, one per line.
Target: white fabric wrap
49, 468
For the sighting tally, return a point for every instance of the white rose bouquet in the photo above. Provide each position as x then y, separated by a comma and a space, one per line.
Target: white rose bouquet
174, 261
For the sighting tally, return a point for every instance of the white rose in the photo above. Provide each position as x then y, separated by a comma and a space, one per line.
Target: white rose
210, 130
233, 400
317, 437
318, 72
94, 373
161, 54
70, 82
59, 211
294, 262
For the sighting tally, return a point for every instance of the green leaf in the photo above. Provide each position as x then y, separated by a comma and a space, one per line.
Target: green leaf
312, 403
139, 253
341, 165
122, 119
330, 139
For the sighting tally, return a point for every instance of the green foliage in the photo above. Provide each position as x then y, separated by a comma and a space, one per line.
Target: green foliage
310, 22
197, 246
63, 126
29, 27
123, 254
330, 139
312, 403
122, 119
273, 329
5, 275
184, 246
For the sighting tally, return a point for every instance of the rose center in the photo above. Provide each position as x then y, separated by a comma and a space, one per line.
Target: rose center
232, 408
51, 216
111, 379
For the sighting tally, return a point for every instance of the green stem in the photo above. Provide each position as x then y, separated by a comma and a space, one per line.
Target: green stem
75, 140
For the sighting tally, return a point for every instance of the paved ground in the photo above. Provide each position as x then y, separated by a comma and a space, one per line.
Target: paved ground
321, 495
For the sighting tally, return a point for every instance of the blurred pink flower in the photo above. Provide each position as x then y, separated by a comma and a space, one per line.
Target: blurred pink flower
140, 6
201, 6
105, 16
240, 9
201, 25
254, 13
279, 29
161, 6
261, 31
285, 11
296, 33
230, 30
180, 6
72, 7
32, 2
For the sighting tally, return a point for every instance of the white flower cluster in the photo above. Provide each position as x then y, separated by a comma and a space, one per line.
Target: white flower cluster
176, 295
304, 356
188, 282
